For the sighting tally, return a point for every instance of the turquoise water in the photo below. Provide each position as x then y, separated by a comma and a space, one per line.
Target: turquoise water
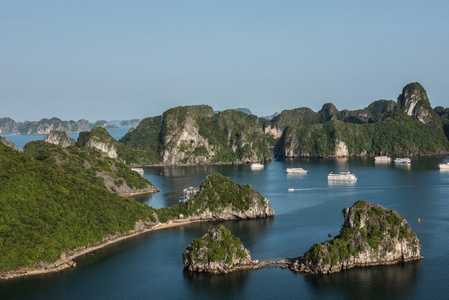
150, 266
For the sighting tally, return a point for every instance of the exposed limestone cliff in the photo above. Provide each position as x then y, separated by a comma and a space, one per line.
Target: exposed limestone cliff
414, 102
410, 127
7, 125
59, 138
100, 139
371, 235
8, 143
45, 126
217, 252
196, 134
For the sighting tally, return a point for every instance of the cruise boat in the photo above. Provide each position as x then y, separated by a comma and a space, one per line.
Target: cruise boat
444, 166
256, 166
401, 160
342, 176
382, 159
296, 171
138, 170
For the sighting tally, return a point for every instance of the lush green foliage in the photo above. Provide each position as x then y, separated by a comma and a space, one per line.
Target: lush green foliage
231, 135
46, 208
216, 193
397, 134
223, 248
379, 223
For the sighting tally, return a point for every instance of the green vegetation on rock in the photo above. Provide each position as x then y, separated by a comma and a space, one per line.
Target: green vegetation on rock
216, 246
216, 194
371, 234
51, 204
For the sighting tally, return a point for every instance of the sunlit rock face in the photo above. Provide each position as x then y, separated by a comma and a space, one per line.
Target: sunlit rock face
371, 235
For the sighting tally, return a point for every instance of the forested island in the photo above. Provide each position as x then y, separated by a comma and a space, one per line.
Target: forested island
60, 196
191, 135
58, 202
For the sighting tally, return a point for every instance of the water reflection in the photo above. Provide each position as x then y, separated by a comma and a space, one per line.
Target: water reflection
370, 282
225, 286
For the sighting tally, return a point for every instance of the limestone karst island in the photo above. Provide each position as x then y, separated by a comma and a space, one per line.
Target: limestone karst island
61, 198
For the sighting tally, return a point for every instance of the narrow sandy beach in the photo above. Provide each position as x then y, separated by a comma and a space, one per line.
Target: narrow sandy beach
66, 260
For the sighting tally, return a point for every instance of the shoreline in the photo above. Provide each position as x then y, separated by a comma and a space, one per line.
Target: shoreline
66, 260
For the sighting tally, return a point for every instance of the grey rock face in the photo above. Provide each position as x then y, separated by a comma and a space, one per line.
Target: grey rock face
7, 142
59, 138
414, 102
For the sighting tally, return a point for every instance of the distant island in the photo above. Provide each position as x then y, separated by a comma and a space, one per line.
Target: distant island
191, 135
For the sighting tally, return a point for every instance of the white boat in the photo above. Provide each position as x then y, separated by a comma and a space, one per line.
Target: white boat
296, 171
444, 166
401, 160
256, 166
138, 170
382, 159
342, 176
291, 190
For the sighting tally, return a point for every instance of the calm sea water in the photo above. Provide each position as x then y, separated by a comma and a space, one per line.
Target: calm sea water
150, 266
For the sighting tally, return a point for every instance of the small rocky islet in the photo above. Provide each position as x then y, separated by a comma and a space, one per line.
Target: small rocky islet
370, 236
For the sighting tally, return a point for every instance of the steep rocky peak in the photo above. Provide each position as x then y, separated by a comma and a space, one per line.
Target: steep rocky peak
414, 102
100, 139
59, 138
329, 111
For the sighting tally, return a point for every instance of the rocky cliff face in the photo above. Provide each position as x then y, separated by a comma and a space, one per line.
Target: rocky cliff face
100, 139
7, 142
181, 136
45, 126
371, 235
217, 252
196, 134
414, 102
59, 138
7, 125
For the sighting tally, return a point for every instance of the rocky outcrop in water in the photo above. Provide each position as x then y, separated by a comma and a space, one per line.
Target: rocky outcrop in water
220, 198
217, 252
197, 135
410, 127
371, 235
59, 138
45, 126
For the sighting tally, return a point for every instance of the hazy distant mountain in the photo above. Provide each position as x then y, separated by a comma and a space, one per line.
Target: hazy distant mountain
271, 116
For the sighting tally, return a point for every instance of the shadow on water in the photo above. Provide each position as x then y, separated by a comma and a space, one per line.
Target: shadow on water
381, 282
217, 284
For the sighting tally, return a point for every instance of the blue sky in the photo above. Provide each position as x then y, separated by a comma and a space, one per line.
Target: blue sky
133, 59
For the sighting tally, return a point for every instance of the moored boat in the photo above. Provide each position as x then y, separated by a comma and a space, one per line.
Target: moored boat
382, 159
296, 171
256, 166
402, 160
341, 176
444, 166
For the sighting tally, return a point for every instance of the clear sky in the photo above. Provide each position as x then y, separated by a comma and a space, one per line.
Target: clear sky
110, 59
